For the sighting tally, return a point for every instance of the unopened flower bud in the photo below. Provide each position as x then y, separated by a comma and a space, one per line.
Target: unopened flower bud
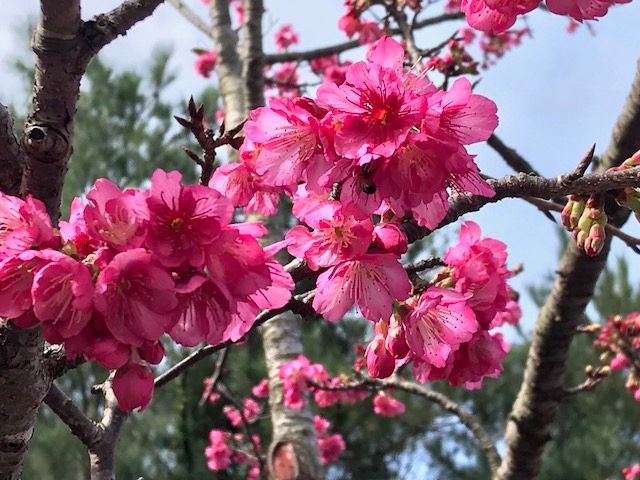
573, 211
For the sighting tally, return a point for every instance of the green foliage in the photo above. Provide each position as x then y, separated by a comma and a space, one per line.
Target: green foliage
125, 128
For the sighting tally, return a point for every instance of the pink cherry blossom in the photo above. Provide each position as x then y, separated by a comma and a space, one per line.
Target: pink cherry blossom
261, 390
371, 281
183, 219
438, 323
24, 224
461, 115
479, 269
136, 297
117, 218
481, 357
285, 37
321, 425
63, 294
204, 310
16, 278
240, 182
75, 230
218, 452
380, 363
288, 138
387, 406
582, 9
133, 386
206, 63
373, 111
337, 235
495, 16
330, 448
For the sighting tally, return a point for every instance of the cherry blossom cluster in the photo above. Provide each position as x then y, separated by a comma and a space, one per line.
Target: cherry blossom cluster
445, 330
499, 15
619, 339
585, 218
227, 448
131, 266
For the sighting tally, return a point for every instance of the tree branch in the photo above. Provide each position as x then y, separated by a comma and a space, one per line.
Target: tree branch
468, 420
191, 17
80, 425
522, 185
529, 424
270, 59
106, 27
11, 157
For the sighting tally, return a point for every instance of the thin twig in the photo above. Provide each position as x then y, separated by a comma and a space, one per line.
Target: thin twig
191, 17
215, 376
350, 45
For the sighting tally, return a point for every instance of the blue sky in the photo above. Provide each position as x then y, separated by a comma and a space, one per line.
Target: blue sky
556, 94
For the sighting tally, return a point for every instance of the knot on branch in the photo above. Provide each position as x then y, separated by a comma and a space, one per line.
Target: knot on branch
45, 144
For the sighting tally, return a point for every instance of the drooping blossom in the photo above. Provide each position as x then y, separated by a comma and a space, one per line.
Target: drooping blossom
136, 297
380, 362
387, 406
581, 10
495, 15
133, 386
371, 281
183, 219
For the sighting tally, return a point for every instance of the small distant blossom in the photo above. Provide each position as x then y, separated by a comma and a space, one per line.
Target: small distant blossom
285, 37
206, 63
387, 406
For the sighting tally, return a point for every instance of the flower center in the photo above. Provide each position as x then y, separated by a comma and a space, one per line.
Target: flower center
176, 224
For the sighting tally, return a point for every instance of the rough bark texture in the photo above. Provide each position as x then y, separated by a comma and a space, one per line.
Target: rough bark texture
228, 67
529, 426
11, 158
293, 453
23, 385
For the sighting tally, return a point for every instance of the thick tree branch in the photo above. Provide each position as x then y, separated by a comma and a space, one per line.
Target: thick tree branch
11, 157
522, 186
228, 66
106, 27
270, 59
191, 16
529, 424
